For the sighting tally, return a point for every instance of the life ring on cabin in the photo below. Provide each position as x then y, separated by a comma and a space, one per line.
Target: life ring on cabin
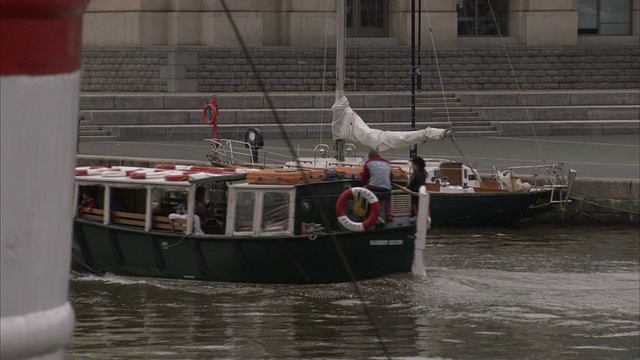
119, 172
149, 174
183, 176
341, 209
90, 170
195, 168
210, 114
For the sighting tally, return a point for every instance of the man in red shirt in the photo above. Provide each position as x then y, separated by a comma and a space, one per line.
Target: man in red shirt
376, 176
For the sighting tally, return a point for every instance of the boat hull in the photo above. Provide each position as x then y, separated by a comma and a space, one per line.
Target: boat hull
486, 209
278, 260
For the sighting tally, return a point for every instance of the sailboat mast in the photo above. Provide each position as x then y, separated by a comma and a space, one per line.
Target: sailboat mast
413, 150
341, 34
340, 39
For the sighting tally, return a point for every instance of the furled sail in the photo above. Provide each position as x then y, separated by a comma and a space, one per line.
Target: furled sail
347, 125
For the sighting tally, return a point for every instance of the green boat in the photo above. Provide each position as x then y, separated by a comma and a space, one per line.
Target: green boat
254, 229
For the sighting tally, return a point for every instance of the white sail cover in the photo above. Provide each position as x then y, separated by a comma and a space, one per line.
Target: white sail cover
347, 125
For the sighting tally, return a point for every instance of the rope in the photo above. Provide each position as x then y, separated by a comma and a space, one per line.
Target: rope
515, 79
444, 97
287, 139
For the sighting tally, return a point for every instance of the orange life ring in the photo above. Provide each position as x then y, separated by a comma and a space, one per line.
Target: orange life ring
341, 209
214, 114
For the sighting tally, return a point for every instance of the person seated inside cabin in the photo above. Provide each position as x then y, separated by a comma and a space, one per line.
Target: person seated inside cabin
376, 176
87, 201
181, 213
202, 207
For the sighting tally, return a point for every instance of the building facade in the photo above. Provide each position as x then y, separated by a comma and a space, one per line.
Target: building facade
445, 23
191, 45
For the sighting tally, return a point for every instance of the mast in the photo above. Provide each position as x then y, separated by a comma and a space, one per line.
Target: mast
413, 150
340, 64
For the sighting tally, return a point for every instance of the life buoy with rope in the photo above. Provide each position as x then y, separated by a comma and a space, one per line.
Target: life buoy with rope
210, 115
341, 209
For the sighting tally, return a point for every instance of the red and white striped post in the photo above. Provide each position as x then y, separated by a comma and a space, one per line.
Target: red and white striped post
40, 42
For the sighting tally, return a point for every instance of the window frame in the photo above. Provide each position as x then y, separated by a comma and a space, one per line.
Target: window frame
598, 14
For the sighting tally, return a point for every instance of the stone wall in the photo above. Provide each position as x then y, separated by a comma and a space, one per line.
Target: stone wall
294, 69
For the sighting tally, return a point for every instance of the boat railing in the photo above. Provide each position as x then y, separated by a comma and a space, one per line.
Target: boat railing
234, 152
550, 176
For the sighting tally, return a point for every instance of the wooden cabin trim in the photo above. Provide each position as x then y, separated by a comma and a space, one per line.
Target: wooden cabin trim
92, 214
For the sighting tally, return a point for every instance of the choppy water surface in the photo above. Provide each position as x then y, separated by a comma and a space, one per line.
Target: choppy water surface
529, 293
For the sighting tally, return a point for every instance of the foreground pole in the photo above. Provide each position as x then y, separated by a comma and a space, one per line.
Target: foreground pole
423, 224
40, 77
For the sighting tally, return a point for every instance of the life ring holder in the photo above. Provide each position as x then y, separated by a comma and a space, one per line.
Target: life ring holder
210, 116
341, 209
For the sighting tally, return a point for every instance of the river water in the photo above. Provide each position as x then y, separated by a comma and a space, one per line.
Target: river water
525, 293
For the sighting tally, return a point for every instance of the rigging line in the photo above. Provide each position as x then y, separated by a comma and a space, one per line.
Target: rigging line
336, 244
515, 79
324, 75
444, 97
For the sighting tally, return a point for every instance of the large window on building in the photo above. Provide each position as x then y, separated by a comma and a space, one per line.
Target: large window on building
366, 18
604, 17
482, 17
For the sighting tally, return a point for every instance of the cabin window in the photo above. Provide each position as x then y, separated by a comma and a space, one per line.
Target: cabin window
275, 211
604, 17
91, 197
244, 211
91, 202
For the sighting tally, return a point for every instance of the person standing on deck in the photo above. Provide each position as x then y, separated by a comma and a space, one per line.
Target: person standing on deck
417, 179
376, 176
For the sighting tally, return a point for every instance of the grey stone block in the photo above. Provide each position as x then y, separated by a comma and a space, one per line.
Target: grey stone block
182, 85
577, 128
97, 102
497, 99
173, 72
292, 101
139, 102
558, 113
182, 58
542, 99
187, 132
164, 118
115, 118
259, 117
141, 133
628, 127
243, 101
313, 116
186, 101
386, 100
614, 113
597, 98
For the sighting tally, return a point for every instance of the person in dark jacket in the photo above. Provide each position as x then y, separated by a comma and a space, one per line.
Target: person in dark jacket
417, 179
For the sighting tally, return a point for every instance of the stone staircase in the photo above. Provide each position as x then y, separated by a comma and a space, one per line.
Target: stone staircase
170, 116
448, 110
89, 132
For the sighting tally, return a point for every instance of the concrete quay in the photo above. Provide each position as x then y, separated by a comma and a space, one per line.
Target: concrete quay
179, 116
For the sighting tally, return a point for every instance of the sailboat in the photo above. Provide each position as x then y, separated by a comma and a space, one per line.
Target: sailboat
459, 195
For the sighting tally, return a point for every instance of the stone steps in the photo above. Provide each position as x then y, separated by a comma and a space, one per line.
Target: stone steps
133, 116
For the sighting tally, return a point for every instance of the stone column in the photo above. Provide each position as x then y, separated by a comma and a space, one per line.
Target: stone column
544, 22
